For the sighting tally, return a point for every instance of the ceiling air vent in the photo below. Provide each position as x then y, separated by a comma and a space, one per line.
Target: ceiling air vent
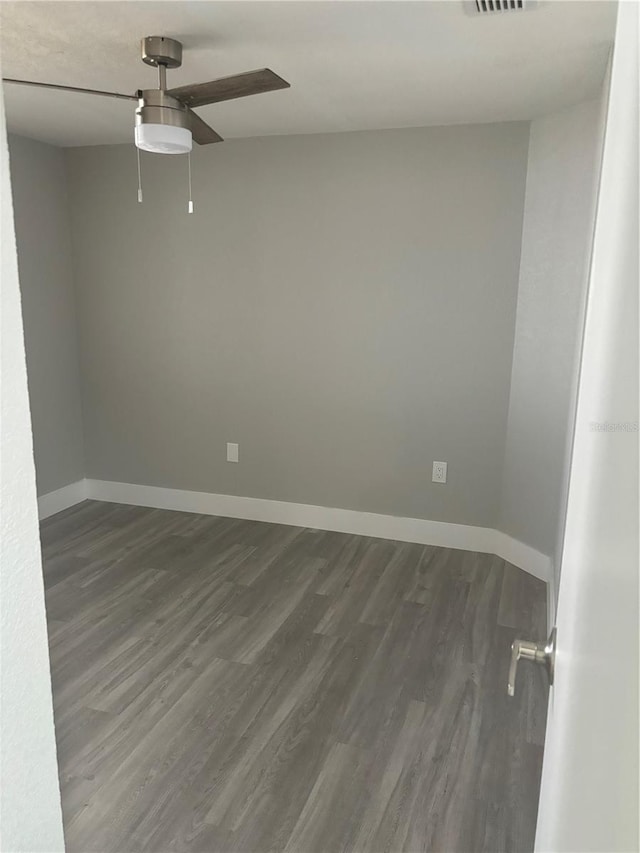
490, 7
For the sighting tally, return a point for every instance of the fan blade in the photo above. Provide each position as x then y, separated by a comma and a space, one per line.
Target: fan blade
70, 89
228, 88
201, 132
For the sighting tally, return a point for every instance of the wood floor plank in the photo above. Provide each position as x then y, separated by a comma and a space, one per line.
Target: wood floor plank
339, 794
229, 686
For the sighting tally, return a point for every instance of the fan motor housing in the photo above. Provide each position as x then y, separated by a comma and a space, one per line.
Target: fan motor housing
156, 107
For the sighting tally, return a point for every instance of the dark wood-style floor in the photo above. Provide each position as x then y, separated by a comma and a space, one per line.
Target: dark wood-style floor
225, 685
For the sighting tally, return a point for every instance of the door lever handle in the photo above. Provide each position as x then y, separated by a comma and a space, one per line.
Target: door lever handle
540, 653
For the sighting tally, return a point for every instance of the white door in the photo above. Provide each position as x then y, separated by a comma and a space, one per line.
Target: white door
589, 793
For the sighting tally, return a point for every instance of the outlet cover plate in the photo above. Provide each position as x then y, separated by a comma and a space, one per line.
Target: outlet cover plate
439, 472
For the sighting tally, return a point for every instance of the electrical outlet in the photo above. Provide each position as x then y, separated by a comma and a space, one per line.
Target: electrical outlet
439, 473
233, 451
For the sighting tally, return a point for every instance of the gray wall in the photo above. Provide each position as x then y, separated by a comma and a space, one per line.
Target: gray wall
343, 306
39, 185
564, 154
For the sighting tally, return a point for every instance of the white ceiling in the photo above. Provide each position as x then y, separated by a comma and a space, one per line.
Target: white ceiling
351, 65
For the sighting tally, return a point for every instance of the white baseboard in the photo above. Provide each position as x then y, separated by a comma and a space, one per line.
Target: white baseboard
443, 534
521, 555
62, 498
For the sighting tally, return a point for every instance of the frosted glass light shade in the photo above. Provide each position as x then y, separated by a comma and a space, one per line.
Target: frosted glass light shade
163, 138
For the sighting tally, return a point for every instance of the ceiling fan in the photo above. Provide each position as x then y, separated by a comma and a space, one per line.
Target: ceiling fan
165, 120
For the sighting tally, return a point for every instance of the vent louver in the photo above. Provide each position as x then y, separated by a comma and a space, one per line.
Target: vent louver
487, 7
499, 5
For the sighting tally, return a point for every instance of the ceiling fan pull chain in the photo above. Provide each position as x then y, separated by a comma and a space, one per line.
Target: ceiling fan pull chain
190, 208
139, 178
